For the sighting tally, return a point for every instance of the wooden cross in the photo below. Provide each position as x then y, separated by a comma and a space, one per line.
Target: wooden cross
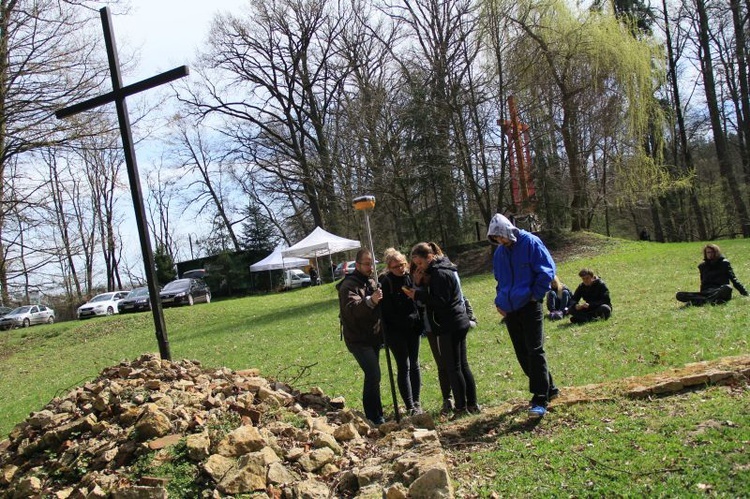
117, 95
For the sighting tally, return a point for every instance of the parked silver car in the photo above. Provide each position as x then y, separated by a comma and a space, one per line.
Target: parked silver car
26, 316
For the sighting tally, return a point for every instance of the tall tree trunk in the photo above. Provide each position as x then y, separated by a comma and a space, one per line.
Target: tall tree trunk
686, 158
4, 21
744, 111
731, 188
61, 219
577, 175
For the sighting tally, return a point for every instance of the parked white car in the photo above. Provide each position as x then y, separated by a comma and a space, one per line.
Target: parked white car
26, 316
295, 278
103, 304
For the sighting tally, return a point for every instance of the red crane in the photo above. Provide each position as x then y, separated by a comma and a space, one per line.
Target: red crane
522, 191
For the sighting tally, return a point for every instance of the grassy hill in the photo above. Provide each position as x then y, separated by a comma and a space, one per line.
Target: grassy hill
295, 337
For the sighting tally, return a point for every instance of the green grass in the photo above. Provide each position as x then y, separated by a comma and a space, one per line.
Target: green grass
295, 337
679, 446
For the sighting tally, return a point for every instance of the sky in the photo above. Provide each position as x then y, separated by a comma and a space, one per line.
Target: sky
166, 33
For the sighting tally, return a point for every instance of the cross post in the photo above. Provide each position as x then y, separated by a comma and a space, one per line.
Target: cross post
117, 95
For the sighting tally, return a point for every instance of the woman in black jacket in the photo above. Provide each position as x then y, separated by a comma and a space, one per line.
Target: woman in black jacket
448, 320
716, 274
402, 327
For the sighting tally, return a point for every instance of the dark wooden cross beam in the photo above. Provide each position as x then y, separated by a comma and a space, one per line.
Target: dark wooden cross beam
117, 95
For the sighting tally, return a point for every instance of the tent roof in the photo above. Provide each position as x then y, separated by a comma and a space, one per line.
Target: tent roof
275, 261
320, 243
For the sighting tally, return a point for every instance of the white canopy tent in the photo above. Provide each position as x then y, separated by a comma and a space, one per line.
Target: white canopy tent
275, 261
320, 243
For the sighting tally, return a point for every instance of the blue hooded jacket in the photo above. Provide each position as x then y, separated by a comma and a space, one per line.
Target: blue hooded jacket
524, 270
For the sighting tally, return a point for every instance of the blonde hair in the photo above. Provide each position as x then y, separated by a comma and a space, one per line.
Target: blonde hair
391, 255
557, 286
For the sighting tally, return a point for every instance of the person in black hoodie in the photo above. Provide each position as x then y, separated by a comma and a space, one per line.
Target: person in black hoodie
403, 327
590, 300
449, 322
716, 274
358, 302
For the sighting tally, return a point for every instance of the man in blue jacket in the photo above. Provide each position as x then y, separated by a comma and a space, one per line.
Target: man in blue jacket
523, 270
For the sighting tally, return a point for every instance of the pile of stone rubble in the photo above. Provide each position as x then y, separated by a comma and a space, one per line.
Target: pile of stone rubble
238, 433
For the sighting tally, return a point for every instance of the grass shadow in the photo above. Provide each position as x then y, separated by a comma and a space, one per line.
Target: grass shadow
486, 429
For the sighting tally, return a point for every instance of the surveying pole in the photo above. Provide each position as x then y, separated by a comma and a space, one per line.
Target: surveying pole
365, 204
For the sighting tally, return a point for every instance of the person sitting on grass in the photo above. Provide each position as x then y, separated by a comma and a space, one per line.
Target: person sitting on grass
558, 298
716, 274
591, 300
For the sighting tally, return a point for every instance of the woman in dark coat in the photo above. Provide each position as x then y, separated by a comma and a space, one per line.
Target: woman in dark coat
716, 273
449, 322
402, 327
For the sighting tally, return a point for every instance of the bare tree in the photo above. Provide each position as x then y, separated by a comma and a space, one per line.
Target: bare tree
103, 161
63, 192
279, 77
161, 195
732, 191
207, 171
48, 58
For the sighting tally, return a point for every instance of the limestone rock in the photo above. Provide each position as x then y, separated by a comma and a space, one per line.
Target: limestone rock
218, 466
242, 431
278, 474
198, 446
7, 473
241, 441
396, 491
320, 439
434, 484
249, 475
152, 423
311, 489
28, 487
316, 459
346, 432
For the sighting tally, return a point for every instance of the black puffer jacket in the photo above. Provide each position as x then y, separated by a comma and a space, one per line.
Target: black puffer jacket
358, 315
718, 272
399, 312
595, 295
442, 297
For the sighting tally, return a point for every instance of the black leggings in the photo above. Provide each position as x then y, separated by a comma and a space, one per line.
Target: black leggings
715, 296
405, 348
453, 354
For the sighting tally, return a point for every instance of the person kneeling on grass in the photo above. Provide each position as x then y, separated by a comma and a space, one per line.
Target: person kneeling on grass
591, 300
716, 274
